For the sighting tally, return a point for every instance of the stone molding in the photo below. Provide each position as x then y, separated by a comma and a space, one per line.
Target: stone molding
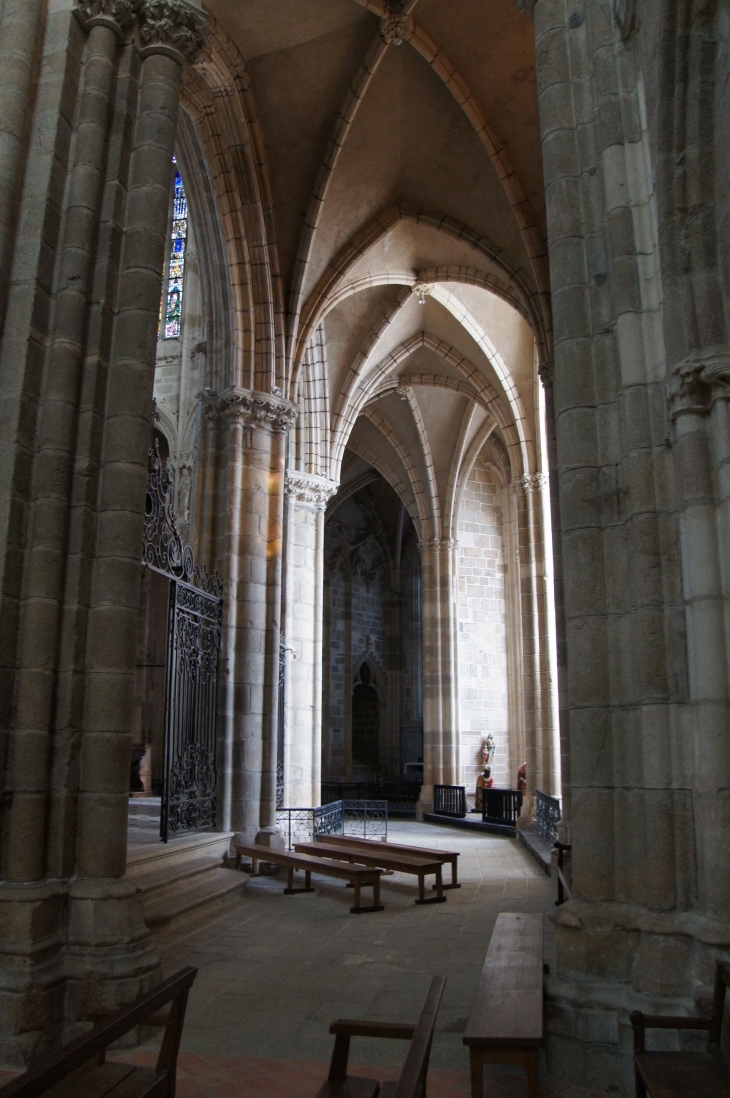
172, 27
697, 383
530, 482
310, 490
253, 409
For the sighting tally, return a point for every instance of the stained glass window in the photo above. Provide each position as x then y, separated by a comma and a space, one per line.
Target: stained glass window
176, 272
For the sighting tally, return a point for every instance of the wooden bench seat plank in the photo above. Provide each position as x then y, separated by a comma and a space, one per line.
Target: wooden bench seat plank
357, 875
511, 1019
689, 1074
508, 999
420, 867
444, 856
506, 1020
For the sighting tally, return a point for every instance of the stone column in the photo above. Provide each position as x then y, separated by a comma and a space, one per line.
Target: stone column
21, 23
700, 406
302, 632
440, 705
253, 493
75, 936
106, 931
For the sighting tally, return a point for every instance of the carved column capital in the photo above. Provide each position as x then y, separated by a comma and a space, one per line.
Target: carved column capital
172, 27
254, 409
119, 15
530, 482
439, 545
546, 370
310, 490
697, 383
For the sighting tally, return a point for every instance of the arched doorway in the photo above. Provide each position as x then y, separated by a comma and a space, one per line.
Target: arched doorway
365, 725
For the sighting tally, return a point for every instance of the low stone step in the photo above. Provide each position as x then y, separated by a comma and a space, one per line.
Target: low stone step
159, 881
144, 856
210, 893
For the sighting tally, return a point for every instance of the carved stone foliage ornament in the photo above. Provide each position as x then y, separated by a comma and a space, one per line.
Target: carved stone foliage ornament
696, 384
396, 27
309, 490
254, 409
530, 482
161, 26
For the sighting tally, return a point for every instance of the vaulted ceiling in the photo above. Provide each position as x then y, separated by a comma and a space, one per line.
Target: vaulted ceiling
407, 198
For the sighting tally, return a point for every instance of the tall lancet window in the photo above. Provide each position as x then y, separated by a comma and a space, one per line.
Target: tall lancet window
171, 310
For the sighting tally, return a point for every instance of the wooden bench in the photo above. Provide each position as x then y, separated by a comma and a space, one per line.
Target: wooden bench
680, 1074
358, 876
444, 856
80, 1070
412, 1081
400, 863
505, 1024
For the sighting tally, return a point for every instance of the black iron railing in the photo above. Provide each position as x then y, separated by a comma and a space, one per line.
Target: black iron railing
402, 797
547, 810
367, 819
450, 800
501, 806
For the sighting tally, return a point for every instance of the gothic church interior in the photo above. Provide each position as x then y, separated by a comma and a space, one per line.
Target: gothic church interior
364, 372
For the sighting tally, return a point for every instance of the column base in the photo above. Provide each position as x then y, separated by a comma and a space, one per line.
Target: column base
271, 837
611, 959
68, 950
425, 802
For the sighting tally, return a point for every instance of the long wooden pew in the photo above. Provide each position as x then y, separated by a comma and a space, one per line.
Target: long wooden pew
399, 863
357, 875
444, 856
505, 1024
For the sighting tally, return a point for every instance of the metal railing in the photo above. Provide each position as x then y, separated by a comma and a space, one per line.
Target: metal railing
402, 797
501, 806
449, 800
365, 818
547, 812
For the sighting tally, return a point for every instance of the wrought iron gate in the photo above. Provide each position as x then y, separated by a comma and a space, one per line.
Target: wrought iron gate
193, 652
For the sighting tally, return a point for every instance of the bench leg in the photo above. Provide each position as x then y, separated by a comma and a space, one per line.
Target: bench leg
477, 1073
357, 908
439, 898
533, 1077
290, 889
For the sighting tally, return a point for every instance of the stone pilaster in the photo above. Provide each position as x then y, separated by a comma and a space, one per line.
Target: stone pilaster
440, 698
529, 640
307, 498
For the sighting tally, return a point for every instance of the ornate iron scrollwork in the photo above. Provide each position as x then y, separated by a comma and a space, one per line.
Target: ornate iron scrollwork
164, 548
193, 651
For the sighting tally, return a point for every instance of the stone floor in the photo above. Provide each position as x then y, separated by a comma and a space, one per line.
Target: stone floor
275, 970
